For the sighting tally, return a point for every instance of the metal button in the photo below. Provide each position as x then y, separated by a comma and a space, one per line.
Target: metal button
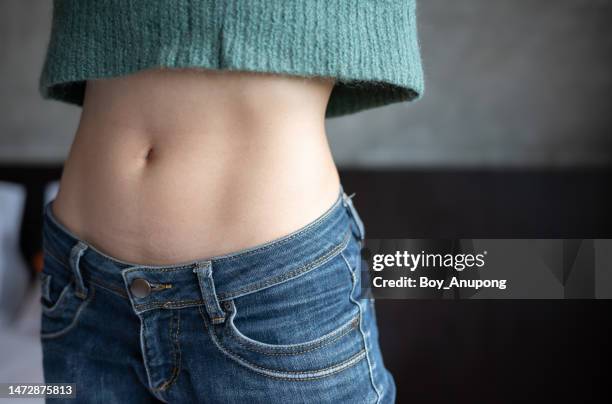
140, 288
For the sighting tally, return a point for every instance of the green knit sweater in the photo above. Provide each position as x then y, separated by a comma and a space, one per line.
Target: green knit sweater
369, 46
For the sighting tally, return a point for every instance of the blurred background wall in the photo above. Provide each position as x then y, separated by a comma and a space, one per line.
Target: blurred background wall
509, 83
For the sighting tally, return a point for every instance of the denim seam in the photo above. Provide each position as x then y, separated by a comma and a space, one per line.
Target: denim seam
275, 280
176, 354
96, 281
145, 354
168, 305
74, 321
280, 375
312, 346
148, 269
363, 336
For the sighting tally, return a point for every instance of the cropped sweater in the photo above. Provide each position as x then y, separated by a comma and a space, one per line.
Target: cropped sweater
369, 46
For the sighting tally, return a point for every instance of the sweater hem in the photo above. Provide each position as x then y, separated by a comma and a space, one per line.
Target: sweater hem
370, 48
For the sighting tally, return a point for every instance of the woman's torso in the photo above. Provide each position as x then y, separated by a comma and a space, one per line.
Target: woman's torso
176, 165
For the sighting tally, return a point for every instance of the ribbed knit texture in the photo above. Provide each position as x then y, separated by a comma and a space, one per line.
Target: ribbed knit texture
369, 46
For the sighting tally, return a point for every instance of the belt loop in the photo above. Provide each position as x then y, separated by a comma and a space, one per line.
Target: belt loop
348, 203
204, 272
75, 257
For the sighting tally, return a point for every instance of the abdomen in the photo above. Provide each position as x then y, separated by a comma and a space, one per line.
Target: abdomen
171, 166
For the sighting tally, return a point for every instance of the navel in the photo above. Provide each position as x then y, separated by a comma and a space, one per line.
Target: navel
149, 154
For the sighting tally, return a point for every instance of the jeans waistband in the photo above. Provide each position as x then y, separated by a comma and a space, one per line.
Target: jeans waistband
206, 281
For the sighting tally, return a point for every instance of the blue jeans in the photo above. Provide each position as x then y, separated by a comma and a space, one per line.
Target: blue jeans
282, 322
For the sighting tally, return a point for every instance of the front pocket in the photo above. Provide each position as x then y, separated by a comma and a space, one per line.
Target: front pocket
61, 307
298, 311
301, 329
63, 316
231, 331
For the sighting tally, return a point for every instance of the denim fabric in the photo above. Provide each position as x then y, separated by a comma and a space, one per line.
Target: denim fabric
282, 322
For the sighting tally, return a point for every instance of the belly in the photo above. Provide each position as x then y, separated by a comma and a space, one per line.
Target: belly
173, 166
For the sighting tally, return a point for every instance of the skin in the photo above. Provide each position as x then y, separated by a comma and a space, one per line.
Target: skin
170, 166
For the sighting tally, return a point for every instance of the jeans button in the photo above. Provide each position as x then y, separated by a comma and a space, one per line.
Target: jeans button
140, 288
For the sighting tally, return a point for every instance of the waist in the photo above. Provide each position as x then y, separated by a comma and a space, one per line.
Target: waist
235, 274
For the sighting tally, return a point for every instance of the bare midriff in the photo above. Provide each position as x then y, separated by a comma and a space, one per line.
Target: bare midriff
171, 166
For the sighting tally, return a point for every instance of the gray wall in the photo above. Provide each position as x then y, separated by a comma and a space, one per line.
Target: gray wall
31, 130
509, 83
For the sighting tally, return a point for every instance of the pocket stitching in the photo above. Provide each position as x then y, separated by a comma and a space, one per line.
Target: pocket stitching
74, 321
280, 375
309, 346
